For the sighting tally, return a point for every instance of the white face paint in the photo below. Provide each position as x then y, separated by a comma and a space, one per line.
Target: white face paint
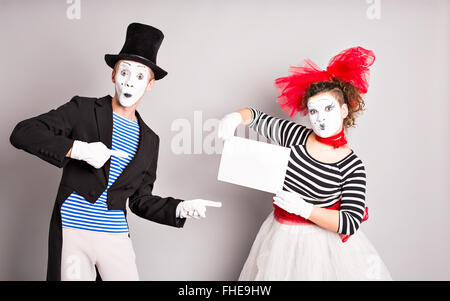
131, 80
324, 112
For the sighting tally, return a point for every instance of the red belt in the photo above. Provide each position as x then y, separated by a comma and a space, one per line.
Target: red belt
284, 217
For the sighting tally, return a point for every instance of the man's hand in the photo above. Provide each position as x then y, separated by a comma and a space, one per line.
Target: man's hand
95, 153
195, 208
293, 203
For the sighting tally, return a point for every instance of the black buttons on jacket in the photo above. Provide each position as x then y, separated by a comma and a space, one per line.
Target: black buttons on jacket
47, 153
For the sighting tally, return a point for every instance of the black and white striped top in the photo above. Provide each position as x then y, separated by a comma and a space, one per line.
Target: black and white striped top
319, 183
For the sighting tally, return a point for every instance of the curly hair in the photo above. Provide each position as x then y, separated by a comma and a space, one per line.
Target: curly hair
344, 92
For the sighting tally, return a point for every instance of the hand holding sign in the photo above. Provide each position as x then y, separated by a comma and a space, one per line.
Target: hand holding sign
228, 125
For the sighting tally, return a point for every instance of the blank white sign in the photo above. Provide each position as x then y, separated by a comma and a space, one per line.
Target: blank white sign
253, 164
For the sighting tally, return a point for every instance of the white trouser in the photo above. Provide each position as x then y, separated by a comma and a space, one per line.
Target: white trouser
82, 250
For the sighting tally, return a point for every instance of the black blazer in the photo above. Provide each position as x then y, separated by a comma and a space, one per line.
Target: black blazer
51, 135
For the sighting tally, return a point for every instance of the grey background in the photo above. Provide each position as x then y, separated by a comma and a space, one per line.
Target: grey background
221, 57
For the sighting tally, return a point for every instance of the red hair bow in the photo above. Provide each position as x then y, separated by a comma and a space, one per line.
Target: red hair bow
351, 65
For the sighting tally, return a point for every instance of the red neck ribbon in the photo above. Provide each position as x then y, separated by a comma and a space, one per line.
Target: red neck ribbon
335, 140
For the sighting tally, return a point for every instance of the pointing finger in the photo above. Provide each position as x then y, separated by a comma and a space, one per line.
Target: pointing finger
119, 153
212, 203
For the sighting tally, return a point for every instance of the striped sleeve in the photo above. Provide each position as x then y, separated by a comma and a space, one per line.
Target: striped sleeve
353, 201
281, 131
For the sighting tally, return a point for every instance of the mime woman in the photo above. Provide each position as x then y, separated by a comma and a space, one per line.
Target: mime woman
314, 231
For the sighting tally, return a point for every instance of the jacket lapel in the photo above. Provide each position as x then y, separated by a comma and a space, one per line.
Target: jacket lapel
103, 113
105, 127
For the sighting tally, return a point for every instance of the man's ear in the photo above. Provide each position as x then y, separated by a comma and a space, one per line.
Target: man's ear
150, 85
113, 76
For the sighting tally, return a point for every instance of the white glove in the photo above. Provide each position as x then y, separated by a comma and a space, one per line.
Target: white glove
195, 208
95, 153
293, 203
228, 125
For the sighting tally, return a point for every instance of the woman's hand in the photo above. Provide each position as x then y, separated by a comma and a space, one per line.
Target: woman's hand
230, 122
293, 203
228, 125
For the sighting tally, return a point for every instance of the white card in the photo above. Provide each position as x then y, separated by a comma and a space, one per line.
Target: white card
253, 164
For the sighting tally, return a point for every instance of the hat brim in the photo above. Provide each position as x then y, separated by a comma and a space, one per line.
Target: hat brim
111, 60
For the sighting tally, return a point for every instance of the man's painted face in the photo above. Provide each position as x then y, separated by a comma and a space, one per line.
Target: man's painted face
131, 80
325, 115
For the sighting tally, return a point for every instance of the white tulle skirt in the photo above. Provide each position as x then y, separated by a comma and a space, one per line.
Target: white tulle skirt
308, 252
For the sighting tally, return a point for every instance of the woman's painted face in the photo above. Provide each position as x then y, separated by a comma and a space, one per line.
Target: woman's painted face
131, 80
324, 112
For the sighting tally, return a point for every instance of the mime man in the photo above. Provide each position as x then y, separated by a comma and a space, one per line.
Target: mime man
108, 155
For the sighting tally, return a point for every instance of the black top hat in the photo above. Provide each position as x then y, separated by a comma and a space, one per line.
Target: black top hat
141, 45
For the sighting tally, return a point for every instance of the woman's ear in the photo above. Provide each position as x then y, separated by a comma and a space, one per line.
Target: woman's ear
344, 111
150, 85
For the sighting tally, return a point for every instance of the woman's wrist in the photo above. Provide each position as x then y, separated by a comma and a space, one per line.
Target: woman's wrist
246, 115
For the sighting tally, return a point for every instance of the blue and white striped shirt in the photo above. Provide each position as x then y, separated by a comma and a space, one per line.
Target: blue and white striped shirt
77, 212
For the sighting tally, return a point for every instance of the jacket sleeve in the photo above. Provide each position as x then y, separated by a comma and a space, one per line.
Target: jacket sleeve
151, 207
47, 136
